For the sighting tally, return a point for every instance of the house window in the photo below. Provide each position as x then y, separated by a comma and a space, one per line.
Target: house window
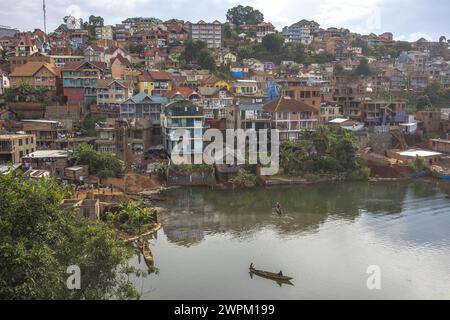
20, 142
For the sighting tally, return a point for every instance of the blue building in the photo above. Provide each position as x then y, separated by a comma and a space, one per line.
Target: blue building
143, 105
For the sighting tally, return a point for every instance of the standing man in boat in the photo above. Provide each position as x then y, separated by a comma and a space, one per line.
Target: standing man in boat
279, 209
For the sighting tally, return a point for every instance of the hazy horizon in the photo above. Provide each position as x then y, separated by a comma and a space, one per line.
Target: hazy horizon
406, 19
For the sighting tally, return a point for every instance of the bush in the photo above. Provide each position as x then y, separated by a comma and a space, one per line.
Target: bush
245, 179
161, 170
102, 164
132, 217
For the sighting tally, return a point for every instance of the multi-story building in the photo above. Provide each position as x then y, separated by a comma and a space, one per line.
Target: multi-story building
60, 61
26, 46
111, 93
155, 82
38, 75
54, 161
47, 132
183, 116
143, 105
301, 32
211, 33
120, 66
291, 117
17, 61
245, 87
133, 138
349, 97
214, 101
123, 33
78, 39
329, 111
308, 94
13, 147
104, 33
383, 112
106, 137
260, 30
80, 81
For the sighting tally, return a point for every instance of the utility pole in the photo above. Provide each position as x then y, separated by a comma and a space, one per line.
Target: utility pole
45, 20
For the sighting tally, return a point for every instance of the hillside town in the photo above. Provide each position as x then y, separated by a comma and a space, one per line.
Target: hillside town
330, 149
122, 90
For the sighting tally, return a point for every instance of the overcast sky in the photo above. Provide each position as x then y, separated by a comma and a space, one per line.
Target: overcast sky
407, 19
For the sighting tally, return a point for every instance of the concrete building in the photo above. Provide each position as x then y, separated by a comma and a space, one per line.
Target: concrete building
106, 137
80, 81
291, 117
308, 94
183, 115
54, 161
104, 33
13, 147
440, 145
111, 93
133, 138
383, 112
47, 132
142, 106
211, 33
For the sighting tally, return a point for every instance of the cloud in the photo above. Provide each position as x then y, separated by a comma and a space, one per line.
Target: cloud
402, 17
413, 37
361, 16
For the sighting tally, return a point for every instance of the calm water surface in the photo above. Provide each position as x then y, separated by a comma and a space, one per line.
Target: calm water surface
328, 237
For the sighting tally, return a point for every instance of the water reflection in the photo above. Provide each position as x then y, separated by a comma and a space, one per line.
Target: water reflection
326, 241
191, 213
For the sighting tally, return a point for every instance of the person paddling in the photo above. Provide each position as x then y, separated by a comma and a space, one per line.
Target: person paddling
279, 209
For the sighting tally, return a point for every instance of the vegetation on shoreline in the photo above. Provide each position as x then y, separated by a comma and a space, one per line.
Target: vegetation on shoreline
322, 152
132, 218
39, 240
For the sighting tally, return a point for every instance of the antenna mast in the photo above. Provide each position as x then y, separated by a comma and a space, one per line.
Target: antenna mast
45, 18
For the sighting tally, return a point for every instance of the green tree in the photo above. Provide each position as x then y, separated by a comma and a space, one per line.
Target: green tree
364, 68
102, 164
273, 42
240, 15
418, 164
94, 22
89, 123
197, 52
434, 91
132, 217
345, 154
206, 60
423, 103
39, 240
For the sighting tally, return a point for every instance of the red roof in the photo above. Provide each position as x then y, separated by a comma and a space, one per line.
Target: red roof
75, 65
152, 52
122, 60
184, 91
287, 104
210, 80
155, 75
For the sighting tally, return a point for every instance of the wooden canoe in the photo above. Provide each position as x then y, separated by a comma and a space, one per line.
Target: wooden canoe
148, 256
270, 275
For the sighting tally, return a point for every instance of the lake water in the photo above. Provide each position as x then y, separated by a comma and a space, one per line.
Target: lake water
329, 236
